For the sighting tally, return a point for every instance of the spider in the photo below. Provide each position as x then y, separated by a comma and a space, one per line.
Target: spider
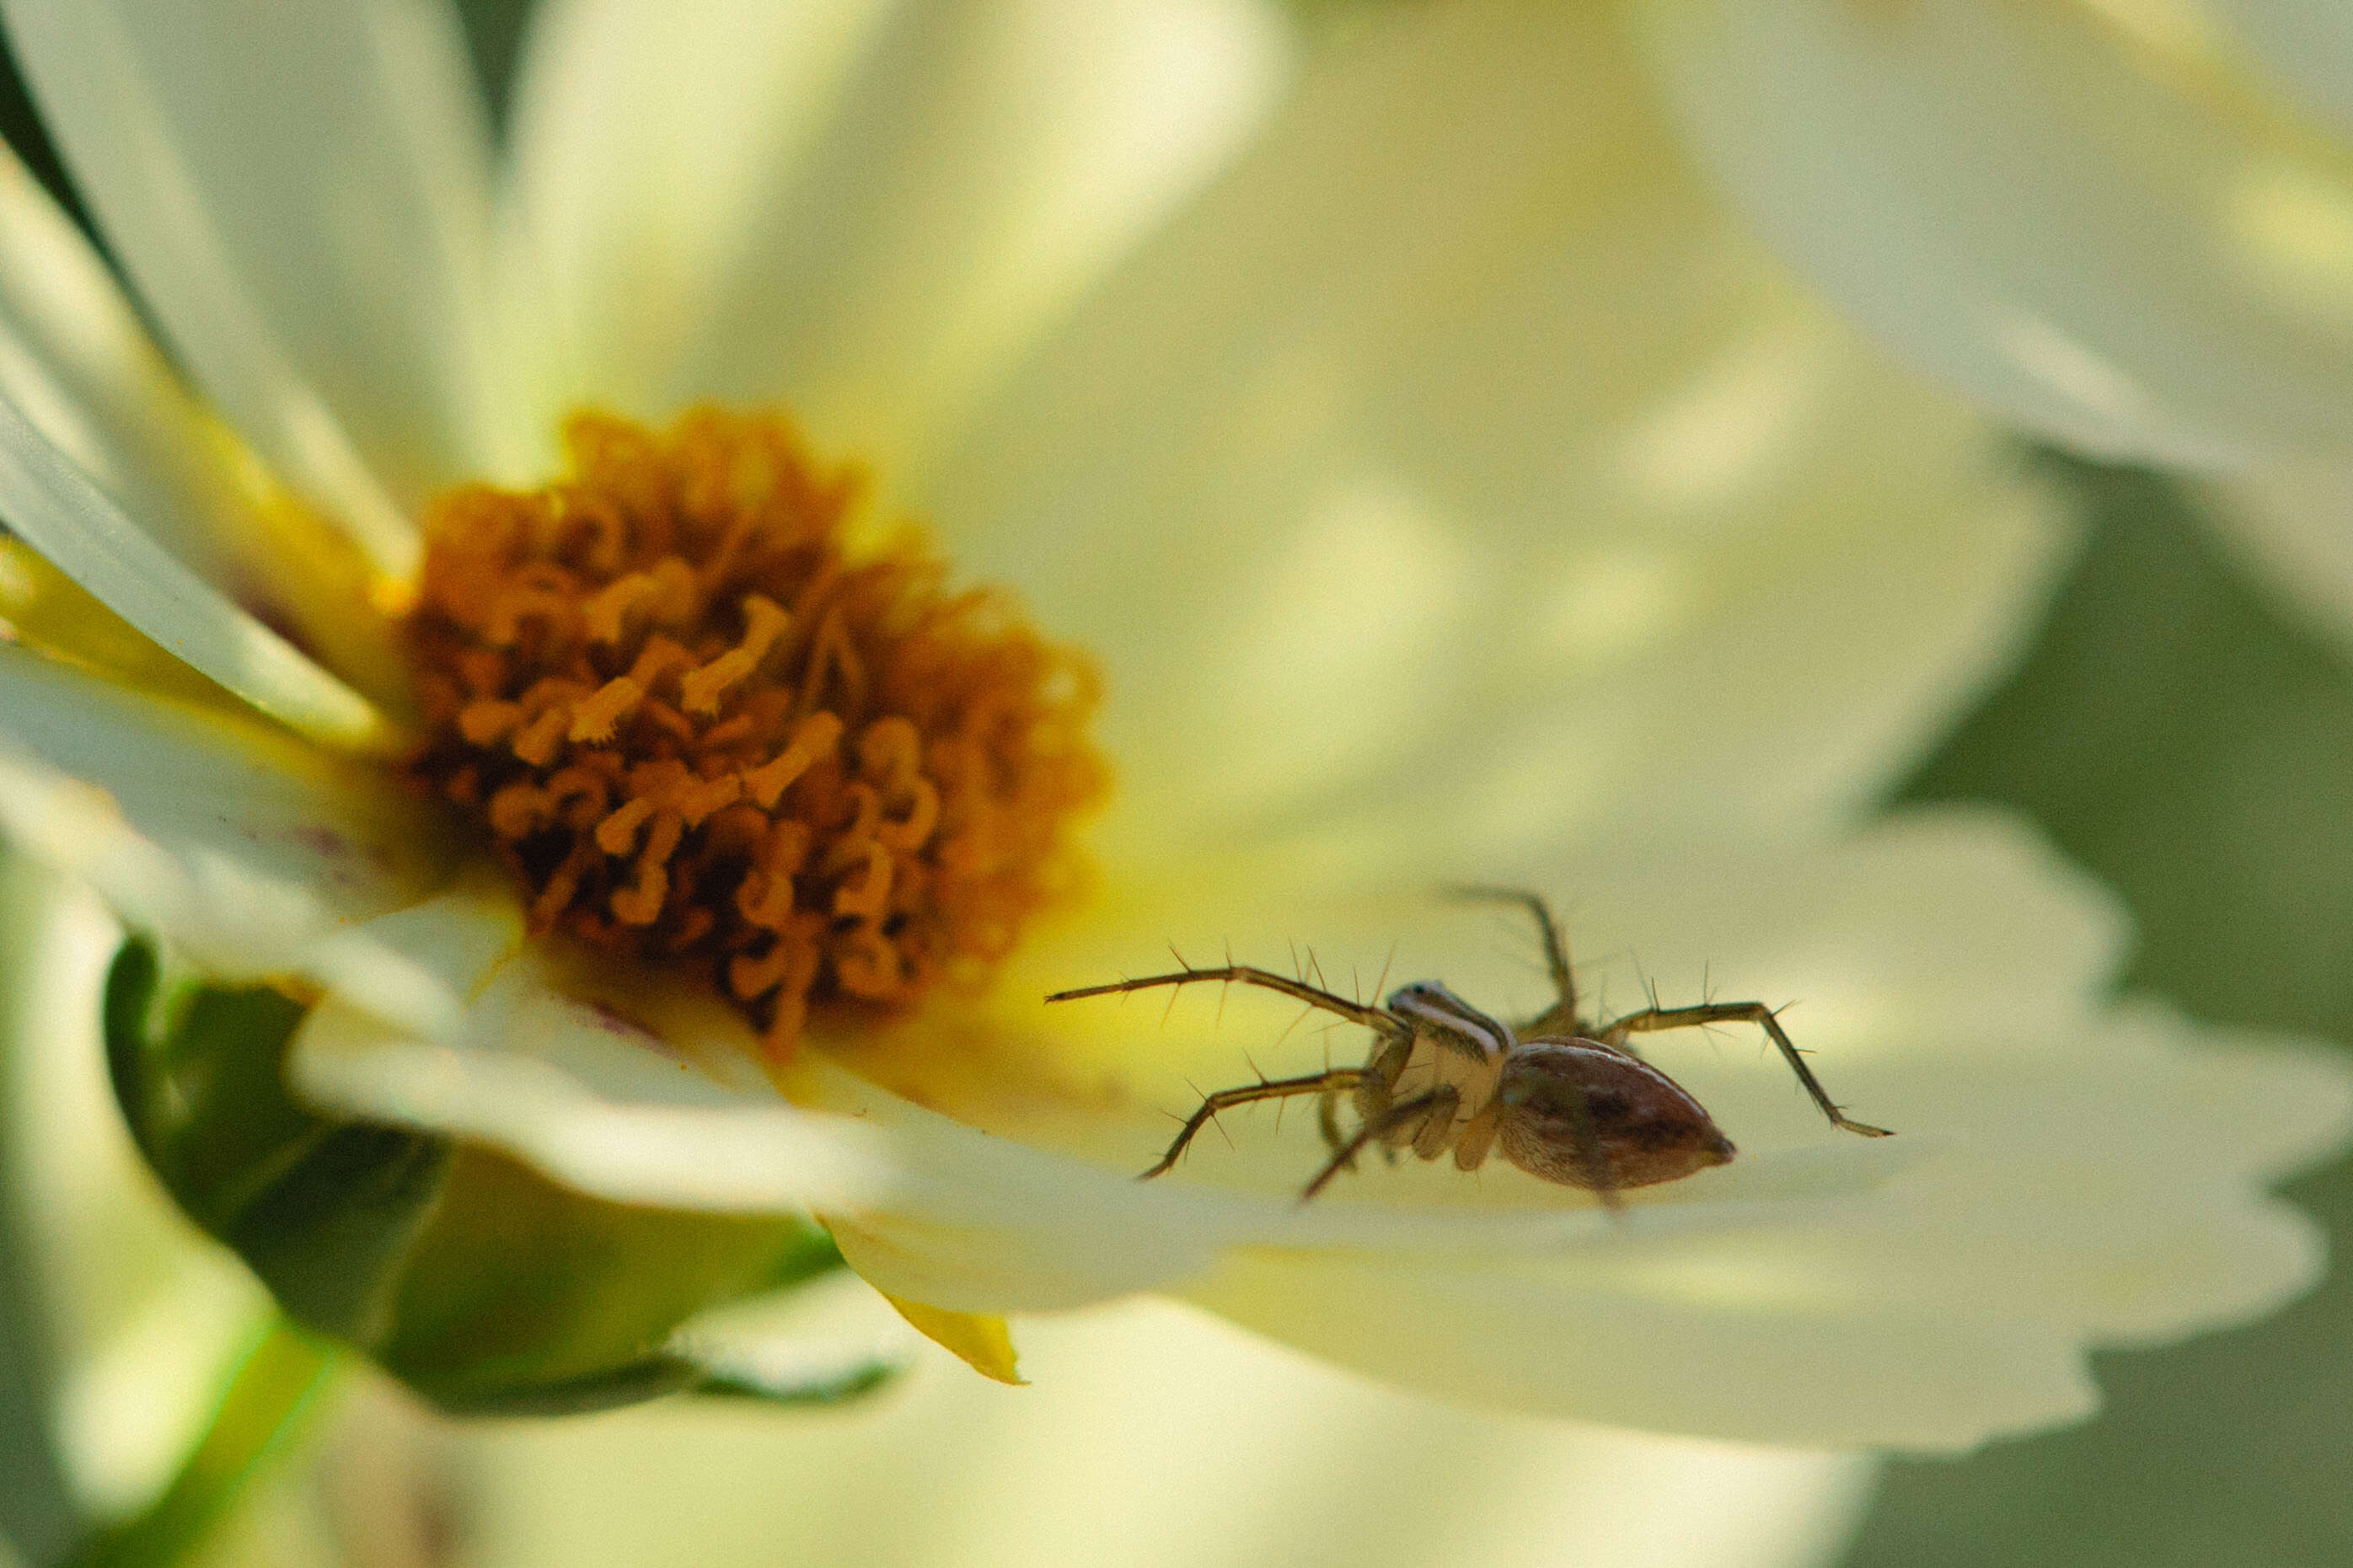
1567, 1101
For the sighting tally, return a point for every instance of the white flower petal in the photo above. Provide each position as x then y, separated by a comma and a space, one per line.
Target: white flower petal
253, 853
77, 364
2308, 43
2292, 525
642, 138
74, 359
300, 195
1457, 450
1953, 1306
78, 528
579, 1081
1544, 1342
2076, 1177
636, 1091
1151, 1437
2092, 226
2064, 1177
860, 208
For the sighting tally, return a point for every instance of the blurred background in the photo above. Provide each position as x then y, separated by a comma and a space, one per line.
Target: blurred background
2172, 728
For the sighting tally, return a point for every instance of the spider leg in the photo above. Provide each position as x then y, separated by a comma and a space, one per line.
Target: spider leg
1655, 1018
1435, 1134
1561, 1018
1374, 1018
1396, 1116
1328, 1118
1325, 1083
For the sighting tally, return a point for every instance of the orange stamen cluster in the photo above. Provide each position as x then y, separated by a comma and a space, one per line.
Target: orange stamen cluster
699, 729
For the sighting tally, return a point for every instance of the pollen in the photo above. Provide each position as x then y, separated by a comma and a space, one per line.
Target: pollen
702, 729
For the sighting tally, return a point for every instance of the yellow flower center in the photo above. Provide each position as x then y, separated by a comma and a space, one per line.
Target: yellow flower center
702, 729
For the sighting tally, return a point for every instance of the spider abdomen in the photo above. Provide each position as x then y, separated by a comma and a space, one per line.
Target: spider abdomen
1642, 1126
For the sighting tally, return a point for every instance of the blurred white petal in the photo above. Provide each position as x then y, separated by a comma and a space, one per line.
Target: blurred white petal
231, 838
2293, 524
642, 139
77, 364
78, 528
2077, 213
1151, 1436
300, 195
2308, 43
142, 1311
1456, 452
1724, 1368
859, 207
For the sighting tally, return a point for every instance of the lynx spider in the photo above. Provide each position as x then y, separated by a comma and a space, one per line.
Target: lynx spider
1565, 1101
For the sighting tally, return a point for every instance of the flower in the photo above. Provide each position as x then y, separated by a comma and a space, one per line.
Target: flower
1447, 493
2124, 223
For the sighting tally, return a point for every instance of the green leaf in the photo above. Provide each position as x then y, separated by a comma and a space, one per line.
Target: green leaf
483, 1286
525, 1296
798, 1385
197, 1070
330, 1236
325, 1213
809, 1254
609, 1388
803, 1387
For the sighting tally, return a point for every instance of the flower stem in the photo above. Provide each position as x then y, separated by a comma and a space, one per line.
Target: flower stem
272, 1393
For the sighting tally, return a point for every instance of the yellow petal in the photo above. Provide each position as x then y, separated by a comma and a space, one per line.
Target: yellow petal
43, 607
982, 1343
